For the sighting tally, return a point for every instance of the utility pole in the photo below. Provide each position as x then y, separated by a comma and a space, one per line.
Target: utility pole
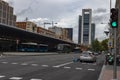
113, 26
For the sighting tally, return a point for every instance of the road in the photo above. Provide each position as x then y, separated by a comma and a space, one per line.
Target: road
48, 67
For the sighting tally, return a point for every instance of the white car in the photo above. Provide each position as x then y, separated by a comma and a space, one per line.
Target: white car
87, 56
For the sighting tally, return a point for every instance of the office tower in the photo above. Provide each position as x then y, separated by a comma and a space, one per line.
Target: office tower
92, 32
85, 27
79, 29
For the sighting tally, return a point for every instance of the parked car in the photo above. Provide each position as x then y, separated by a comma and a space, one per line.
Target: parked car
87, 56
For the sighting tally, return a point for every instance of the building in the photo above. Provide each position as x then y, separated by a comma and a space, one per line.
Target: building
79, 29
46, 32
70, 33
92, 32
61, 33
28, 26
6, 14
118, 29
85, 27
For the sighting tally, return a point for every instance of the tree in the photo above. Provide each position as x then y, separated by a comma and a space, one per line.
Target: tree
96, 46
104, 44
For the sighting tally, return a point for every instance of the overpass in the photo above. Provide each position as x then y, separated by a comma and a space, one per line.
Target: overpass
18, 35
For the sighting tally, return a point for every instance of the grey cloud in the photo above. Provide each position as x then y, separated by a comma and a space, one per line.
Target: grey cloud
101, 18
29, 9
100, 10
24, 11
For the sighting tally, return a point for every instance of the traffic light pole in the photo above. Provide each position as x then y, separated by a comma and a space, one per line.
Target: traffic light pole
115, 65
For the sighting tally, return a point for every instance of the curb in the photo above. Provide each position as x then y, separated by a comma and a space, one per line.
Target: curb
27, 54
101, 74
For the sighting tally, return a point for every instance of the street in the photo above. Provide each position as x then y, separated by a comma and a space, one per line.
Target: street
48, 67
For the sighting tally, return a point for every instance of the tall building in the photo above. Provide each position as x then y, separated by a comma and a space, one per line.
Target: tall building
92, 32
70, 33
85, 27
79, 29
6, 14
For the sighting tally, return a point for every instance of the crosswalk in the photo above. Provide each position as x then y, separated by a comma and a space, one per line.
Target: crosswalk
67, 67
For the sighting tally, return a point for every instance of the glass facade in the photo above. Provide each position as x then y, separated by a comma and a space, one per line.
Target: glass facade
86, 29
92, 32
80, 29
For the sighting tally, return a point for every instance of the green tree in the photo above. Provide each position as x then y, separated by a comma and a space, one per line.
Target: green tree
104, 44
96, 45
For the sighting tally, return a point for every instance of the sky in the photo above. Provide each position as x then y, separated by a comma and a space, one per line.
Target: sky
64, 12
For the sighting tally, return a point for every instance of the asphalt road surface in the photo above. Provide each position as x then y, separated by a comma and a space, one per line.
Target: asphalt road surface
48, 67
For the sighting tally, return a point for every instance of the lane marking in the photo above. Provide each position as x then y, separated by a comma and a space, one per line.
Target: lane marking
67, 67
34, 64
55, 66
14, 63
16, 78
35, 79
78, 68
24, 64
4, 62
91, 69
44, 65
2, 76
64, 64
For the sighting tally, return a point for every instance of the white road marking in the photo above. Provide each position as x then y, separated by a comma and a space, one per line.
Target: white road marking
67, 67
35, 79
15, 78
2, 76
44, 65
91, 69
78, 68
24, 64
64, 64
14, 63
55, 66
4, 62
34, 64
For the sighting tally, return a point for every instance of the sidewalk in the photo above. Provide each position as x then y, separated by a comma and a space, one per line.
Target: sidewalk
107, 73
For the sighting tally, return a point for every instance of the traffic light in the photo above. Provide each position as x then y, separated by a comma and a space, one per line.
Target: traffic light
114, 18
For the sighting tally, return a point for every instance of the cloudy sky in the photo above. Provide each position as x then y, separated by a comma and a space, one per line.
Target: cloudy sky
64, 12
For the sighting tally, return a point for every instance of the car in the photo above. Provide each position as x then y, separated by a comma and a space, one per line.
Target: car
87, 56
96, 54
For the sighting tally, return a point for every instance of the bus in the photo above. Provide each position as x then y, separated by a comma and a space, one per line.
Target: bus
64, 48
32, 47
